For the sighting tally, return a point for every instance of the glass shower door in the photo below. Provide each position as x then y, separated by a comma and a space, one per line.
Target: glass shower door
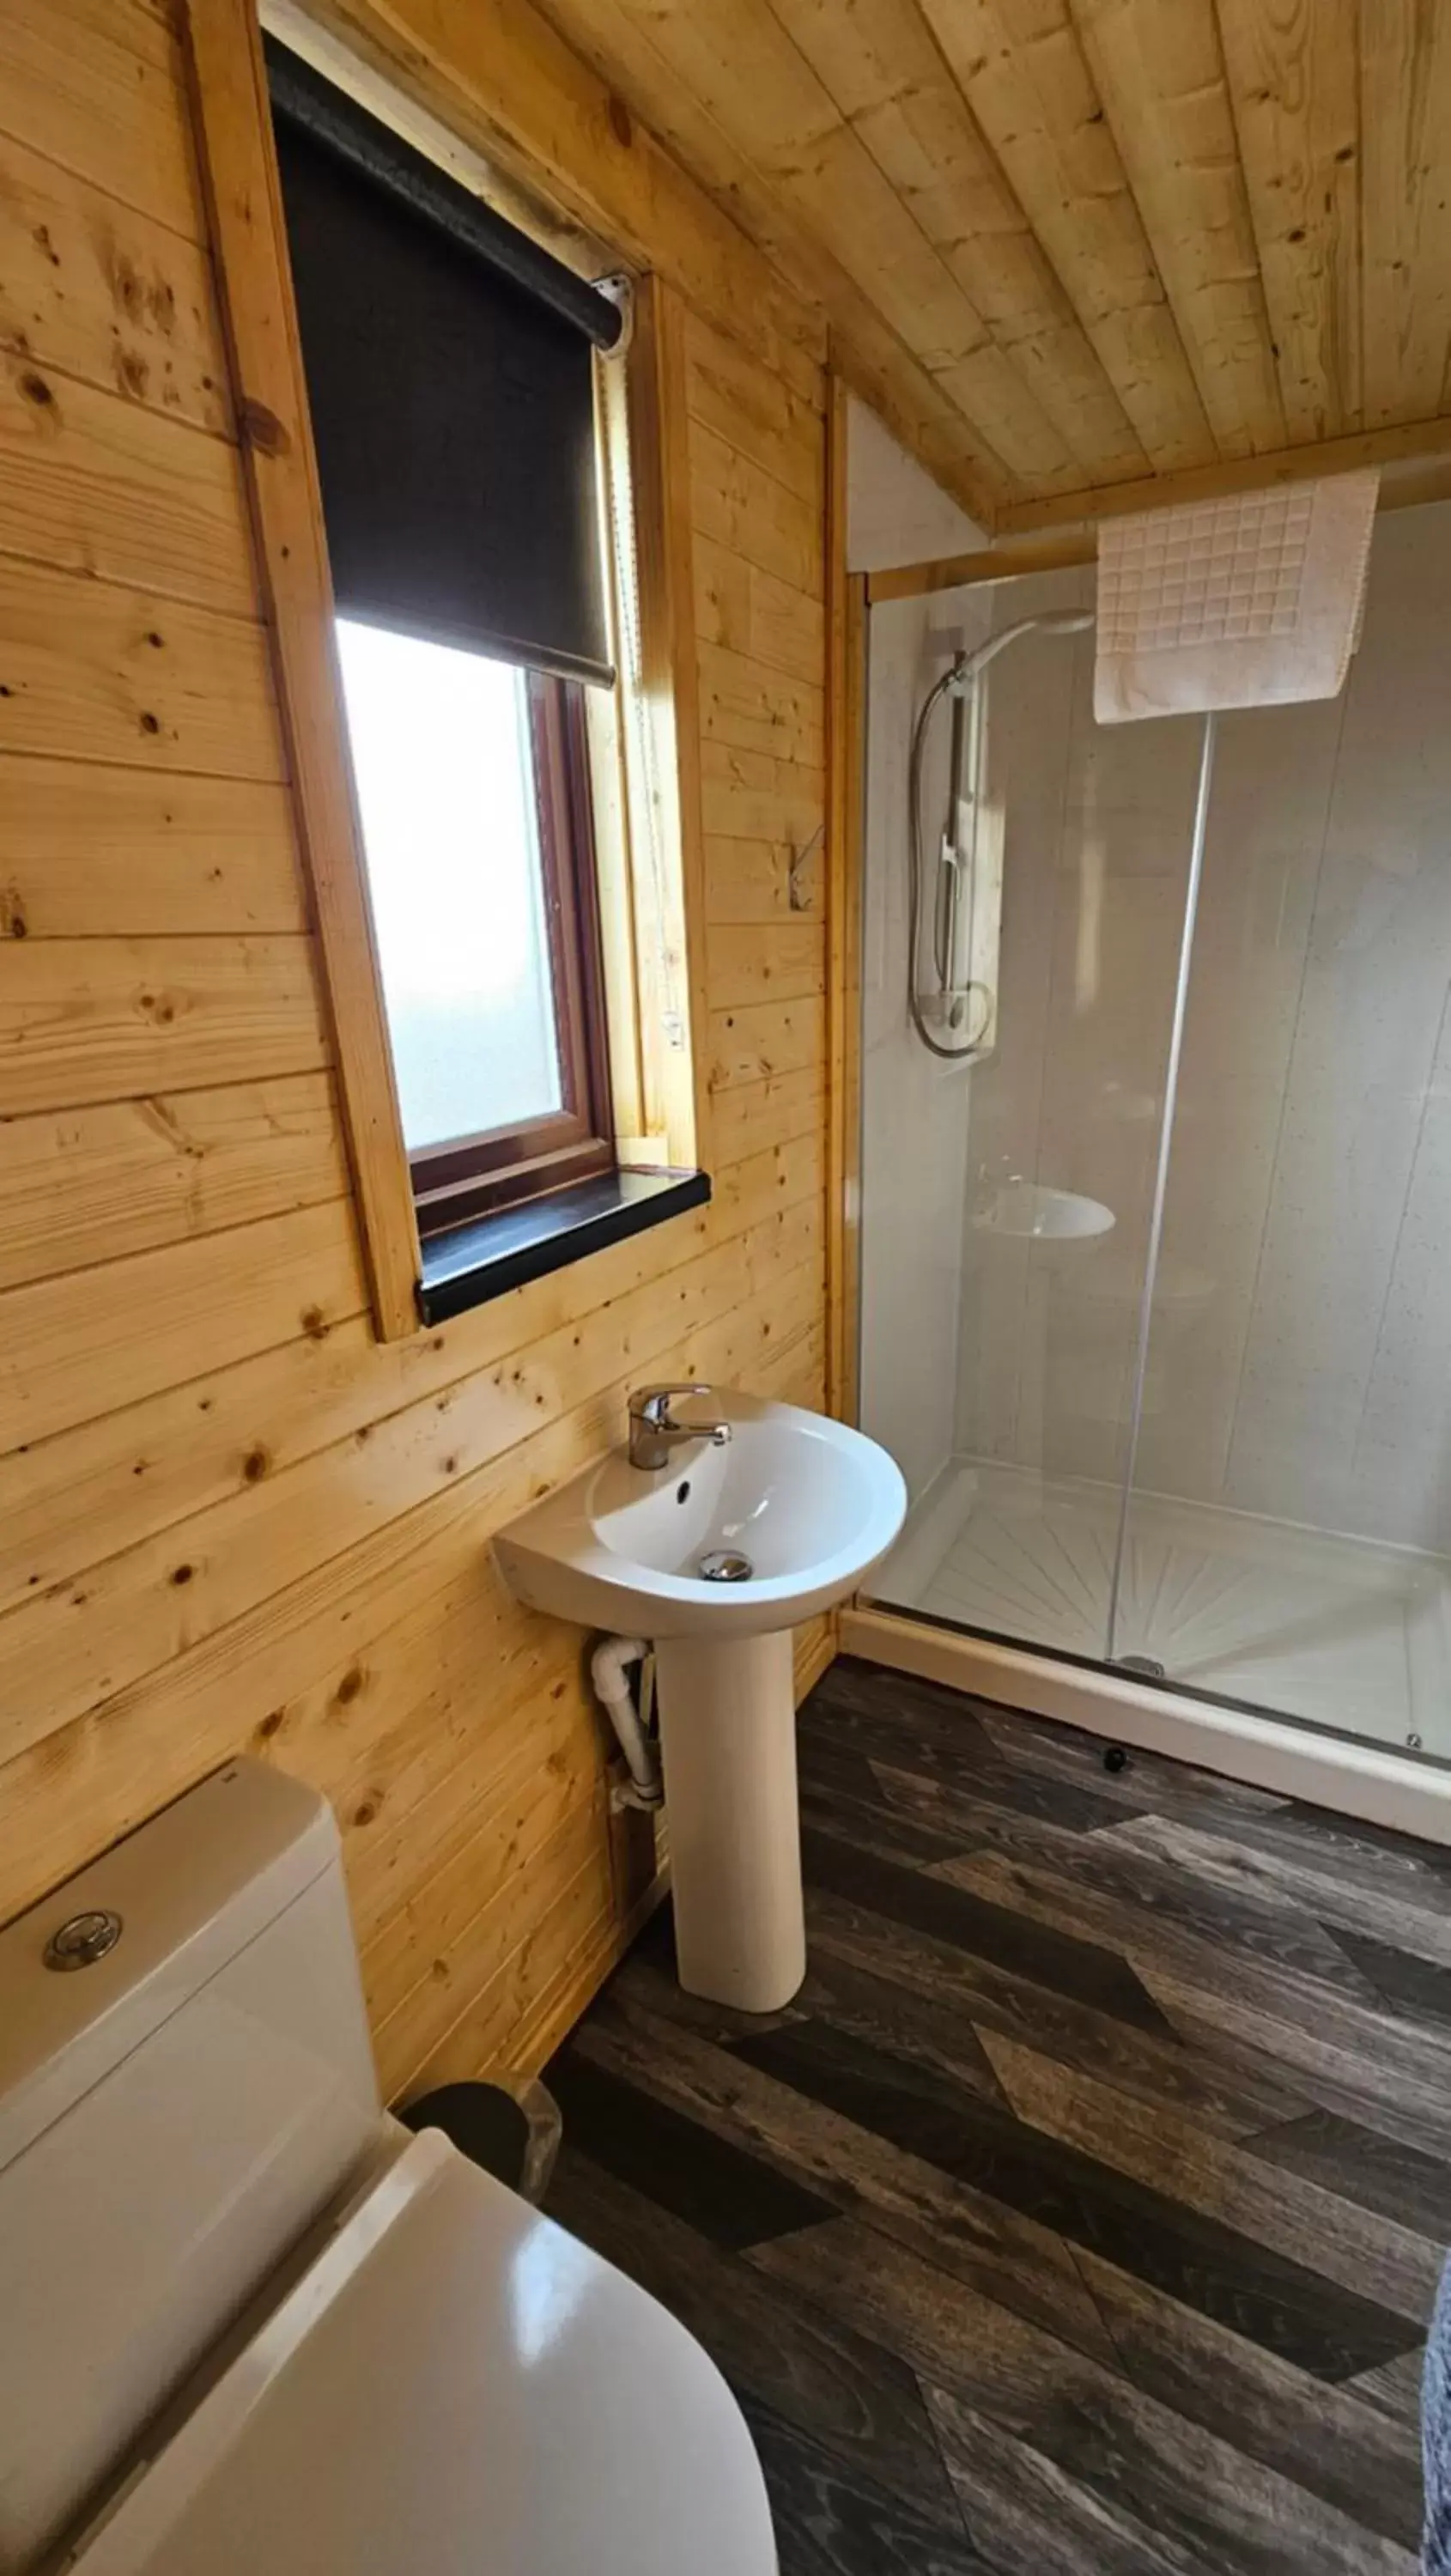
1157, 1305
1041, 1157
1122, 1571
1288, 1534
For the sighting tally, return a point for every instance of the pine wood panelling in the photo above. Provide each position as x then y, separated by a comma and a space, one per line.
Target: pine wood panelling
1159, 72
74, 1347
748, 880
670, 959
1406, 458
88, 1782
767, 1177
97, 853
227, 86
76, 1645
846, 828
988, 563
91, 672
889, 81
771, 423
576, 1861
320, 1644
500, 78
1293, 83
815, 1645
754, 614
393, 1735
1025, 80
170, 1727
1405, 111
98, 80
530, 1774
77, 1498
104, 1019
229, 1515
761, 690
745, 795
759, 1039
620, 41
759, 87
92, 482
562, 1839
535, 1992
87, 1185
557, 1809
93, 287
785, 960
751, 513
80, 1497
382, 1831
783, 1107
754, 708
1065, 244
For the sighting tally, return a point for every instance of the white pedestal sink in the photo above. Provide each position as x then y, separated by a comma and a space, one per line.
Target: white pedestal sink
812, 1506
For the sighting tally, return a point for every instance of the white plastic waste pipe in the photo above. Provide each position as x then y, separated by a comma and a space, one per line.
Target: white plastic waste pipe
609, 1670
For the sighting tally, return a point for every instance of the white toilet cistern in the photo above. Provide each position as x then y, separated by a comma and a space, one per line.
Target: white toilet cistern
249, 2320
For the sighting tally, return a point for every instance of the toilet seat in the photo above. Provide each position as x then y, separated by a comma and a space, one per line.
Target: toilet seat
455, 2386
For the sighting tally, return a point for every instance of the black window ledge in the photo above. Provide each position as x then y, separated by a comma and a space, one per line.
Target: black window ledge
473, 1263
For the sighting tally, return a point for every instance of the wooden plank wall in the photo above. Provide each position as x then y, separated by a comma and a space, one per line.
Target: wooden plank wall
228, 1517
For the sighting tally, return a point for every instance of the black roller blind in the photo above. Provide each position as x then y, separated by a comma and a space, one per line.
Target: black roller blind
449, 378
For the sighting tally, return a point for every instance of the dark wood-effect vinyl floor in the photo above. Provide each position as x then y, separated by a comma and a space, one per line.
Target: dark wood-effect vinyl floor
1082, 2214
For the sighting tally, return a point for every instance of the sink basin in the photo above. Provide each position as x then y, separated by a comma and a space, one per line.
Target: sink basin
810, 1505
1053, 1221
796, 1508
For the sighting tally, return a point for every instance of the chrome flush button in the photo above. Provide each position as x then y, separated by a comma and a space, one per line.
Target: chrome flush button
84, 1939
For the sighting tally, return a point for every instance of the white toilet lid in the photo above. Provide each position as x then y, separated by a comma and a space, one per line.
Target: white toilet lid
455, 2386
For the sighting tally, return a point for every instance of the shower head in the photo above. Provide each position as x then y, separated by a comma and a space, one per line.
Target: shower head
959, 683
1053, 621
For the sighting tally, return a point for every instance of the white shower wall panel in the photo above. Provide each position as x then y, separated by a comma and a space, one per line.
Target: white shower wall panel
915, 1111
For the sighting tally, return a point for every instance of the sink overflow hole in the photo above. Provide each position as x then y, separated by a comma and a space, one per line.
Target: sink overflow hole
725, 1565
682, 1492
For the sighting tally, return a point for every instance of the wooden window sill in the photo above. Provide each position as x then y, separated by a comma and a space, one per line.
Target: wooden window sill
472, 1263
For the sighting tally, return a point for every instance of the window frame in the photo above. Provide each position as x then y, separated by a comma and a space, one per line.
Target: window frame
469, 1176
645, 773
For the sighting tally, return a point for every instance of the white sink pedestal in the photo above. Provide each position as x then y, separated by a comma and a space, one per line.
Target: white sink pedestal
727, 1709
804, 1506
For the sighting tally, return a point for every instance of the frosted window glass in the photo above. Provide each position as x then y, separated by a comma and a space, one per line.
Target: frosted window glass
440, 743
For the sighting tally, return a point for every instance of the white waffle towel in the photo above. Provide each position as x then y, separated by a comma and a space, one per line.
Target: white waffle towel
1247, 602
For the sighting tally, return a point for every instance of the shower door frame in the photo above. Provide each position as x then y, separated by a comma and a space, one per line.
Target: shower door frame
848, 635
1290, 1756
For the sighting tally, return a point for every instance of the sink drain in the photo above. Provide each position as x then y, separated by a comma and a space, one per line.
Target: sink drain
725, 1565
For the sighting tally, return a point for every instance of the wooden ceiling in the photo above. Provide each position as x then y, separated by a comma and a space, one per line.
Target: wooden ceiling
1067, 244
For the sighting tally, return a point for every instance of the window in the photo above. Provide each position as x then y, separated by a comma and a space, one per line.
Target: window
473, 790
449, 367
451, 547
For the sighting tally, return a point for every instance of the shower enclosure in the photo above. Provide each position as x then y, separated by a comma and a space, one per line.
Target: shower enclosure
1156, 1280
